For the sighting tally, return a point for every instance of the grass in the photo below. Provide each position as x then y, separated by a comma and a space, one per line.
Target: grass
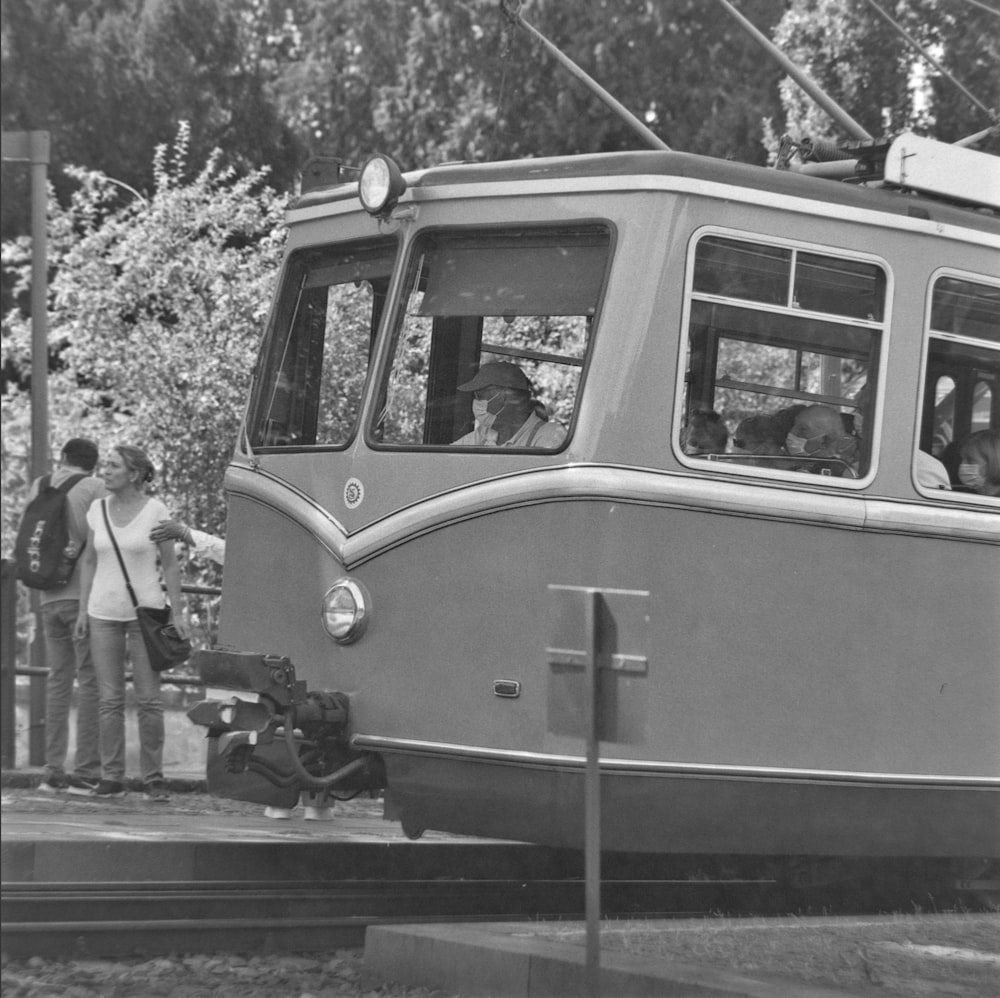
945, 956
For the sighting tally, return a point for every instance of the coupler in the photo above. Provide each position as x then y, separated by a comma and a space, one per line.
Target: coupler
280, 739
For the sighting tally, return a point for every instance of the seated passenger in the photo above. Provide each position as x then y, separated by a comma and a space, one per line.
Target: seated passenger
759, 435
705, 433
765, 434
931, 473
818, 431
979, 463
506, 413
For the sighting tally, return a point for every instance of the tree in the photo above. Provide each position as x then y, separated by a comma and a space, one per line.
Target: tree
156, 311
437, 80
112, 79
871, 71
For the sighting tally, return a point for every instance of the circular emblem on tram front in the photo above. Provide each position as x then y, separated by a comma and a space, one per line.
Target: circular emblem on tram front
354, 493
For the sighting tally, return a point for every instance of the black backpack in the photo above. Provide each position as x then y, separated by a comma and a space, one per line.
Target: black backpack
44, 552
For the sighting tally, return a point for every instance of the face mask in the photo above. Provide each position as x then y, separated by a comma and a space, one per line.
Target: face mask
971, 474
796, 445
484, 418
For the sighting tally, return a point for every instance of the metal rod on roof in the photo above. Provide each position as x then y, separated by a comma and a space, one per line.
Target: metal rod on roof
623, 112
813, 89
971, 140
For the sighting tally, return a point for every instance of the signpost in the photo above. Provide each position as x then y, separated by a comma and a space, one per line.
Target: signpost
33, 148
598, 640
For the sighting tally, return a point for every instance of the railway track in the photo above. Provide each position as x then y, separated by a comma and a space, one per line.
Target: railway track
115, 919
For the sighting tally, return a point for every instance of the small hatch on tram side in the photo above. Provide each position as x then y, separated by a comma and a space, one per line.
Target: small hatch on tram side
782, 353
491, 344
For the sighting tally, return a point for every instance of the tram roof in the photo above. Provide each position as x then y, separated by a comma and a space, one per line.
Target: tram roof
687, 165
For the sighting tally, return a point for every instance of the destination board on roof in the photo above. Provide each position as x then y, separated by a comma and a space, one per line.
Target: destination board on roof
946, 170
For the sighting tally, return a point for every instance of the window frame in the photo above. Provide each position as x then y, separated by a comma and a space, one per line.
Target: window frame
401, 298
267, 353
929, 335
881, 328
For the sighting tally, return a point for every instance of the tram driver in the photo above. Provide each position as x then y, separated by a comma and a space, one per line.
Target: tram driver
506, 412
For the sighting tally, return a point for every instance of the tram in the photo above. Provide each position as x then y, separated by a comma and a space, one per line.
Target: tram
806, 645
687, 437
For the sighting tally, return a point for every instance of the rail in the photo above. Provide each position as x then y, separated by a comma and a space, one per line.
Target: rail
24, 655
112, 919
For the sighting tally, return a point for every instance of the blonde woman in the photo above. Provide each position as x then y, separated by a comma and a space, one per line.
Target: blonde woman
979, 467
107, 614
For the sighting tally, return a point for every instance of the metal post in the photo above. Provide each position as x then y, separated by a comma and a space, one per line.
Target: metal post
8, 664
37, 718
592, 798
39, 150
39, 153
597, 637
33, 147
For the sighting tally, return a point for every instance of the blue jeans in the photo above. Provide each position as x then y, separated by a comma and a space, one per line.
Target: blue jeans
69, 659
109, 640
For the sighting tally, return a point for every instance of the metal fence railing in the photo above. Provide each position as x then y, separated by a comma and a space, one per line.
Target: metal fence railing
22, 654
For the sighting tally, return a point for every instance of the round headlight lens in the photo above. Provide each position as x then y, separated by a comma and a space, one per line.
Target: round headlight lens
345, 611
381, 184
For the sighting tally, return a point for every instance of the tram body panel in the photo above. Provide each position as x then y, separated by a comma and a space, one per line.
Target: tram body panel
764, 666
822, 669
758, 656
636, 351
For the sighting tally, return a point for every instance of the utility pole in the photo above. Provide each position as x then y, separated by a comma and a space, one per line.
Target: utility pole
33, 148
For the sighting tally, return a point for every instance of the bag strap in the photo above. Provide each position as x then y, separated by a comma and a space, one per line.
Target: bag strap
68, 483
121, 560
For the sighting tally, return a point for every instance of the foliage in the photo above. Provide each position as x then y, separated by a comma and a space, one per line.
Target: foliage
865, 65
155, 314
434, 80
112, 79
271, 81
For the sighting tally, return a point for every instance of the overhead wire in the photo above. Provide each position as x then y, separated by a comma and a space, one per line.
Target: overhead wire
991, 112
985, 6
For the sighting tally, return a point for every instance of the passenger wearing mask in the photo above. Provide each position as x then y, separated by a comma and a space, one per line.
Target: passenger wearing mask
506, 413
819, 432
979, 462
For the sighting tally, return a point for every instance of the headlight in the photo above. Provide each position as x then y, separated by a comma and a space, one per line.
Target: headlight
346, 608
381, 185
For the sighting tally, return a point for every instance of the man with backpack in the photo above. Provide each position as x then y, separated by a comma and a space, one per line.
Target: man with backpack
50, 540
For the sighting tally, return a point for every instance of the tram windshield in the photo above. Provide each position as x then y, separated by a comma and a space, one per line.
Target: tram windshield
316, 354
783, 349
503, 318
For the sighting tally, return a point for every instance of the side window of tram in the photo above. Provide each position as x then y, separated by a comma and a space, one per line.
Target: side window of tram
317, 351
960, 418
782, 358
502, 319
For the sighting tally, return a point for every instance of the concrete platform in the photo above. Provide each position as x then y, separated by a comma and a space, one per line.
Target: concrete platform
506, 960
195, 837
955, 954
